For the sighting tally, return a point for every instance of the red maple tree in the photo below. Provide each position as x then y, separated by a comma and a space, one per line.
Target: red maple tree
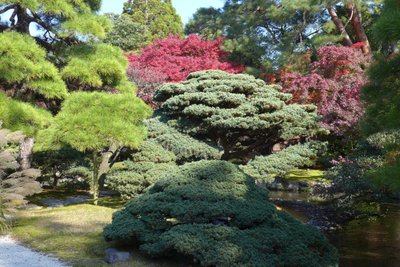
174, 59
333, 84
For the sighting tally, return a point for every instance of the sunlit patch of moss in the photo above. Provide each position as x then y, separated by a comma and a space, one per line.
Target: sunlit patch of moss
306, 175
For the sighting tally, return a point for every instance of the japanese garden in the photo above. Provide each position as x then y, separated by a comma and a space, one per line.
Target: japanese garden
214, 133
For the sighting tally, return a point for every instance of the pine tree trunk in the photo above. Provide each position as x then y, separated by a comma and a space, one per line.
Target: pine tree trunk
356, 22
340, 26
95, 179
25, 153
105, 166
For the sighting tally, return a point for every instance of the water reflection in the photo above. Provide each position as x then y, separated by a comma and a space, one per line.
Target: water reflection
370, 243
362, 243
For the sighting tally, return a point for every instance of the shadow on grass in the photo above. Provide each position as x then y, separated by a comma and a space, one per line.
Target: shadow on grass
74, 235
114, 202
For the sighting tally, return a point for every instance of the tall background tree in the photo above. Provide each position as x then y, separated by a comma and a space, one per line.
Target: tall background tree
266, 33
142, 22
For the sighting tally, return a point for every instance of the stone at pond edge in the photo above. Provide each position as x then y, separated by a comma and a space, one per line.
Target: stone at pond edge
113, 256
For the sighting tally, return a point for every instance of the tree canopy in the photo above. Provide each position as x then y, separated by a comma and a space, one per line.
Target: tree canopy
172, 59
157, 17
265, 33
382, 99
99, 123
237, 112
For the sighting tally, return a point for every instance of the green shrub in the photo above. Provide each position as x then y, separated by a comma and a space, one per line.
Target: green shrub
265, 168
372, 167
131, 178
215, 213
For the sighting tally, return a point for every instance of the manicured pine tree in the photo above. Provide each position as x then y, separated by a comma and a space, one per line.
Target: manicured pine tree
65, 55
214, 213
98, 123
241, 115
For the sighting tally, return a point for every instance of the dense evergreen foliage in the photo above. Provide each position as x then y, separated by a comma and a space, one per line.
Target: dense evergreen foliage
126, 33
164, 148
148, 164
213, 212
24, 62
266, 168
65, 54
17, 115
240, 114
382, 98
185, 148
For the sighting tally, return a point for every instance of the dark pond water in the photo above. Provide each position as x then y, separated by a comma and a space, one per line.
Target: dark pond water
363, 243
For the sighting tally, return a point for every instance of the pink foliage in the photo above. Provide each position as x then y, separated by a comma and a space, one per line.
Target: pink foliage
147, 81
177, 58
333, 84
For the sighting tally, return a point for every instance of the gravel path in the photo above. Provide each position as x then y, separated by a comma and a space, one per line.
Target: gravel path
13, 254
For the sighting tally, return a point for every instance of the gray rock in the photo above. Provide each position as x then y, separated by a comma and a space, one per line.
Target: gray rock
113, 256
293, 186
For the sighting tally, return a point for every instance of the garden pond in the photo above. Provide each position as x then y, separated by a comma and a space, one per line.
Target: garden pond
373, 241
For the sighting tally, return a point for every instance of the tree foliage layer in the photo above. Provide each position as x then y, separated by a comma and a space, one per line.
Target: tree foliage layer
240, 114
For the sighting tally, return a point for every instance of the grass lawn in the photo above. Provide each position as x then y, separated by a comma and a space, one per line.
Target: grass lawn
74, 235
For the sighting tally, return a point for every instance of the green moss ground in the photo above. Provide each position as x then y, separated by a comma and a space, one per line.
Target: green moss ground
74, 235
307, 175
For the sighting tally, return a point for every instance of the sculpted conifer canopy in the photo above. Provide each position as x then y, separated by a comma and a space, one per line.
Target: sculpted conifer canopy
237, 112
215, 213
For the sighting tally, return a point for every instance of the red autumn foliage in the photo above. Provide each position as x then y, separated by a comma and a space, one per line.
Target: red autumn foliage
177, 58
333, 84
173, 59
